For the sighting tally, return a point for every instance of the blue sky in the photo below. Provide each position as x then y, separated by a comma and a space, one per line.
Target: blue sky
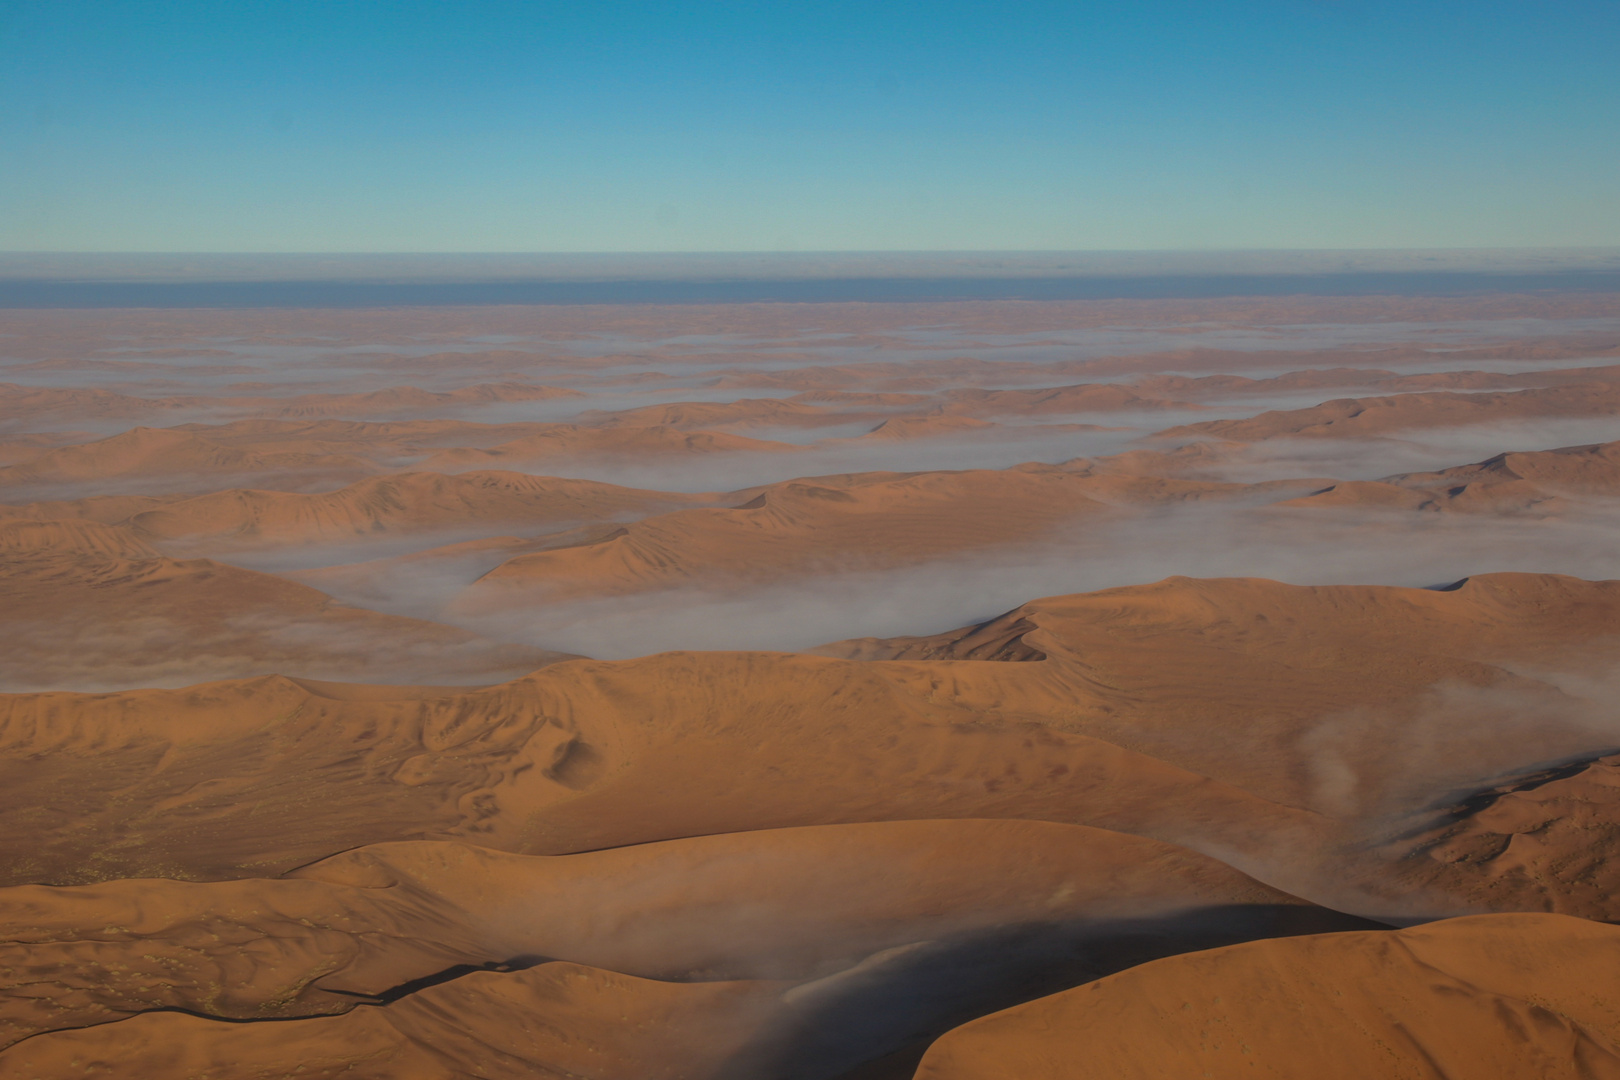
361, 125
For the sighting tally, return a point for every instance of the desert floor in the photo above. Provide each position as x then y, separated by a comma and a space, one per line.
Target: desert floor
1013, 690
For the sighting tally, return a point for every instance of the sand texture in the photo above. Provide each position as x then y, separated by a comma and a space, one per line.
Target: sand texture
812, 692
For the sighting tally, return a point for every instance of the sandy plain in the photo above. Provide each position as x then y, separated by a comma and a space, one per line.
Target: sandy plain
816, 691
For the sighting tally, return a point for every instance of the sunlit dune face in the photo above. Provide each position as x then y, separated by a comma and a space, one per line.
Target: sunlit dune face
836, 692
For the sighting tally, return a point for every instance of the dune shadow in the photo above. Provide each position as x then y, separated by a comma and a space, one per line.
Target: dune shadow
873, 1021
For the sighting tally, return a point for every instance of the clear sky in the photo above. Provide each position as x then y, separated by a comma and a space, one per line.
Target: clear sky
484, 125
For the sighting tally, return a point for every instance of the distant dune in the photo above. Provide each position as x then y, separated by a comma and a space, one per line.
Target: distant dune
1023, 689
1361, 417
1540, 482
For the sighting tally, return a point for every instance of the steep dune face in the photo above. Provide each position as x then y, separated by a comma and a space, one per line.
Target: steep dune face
1508, 996
1361, 417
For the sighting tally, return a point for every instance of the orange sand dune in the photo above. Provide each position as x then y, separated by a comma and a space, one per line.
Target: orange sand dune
400, 504
1370, 378
89, 604
557, 1019
1194, 711
790, 904
839, 523
926, 427
379, 440
1087, 397
158, 455
944, 425
855, 522
401, 400
81, 404
1549, 841
800, 912
747, 412
379, 846
1515, 997
861, 521
566, 441
286, 453
1362, 417
106, 509
931, 373
1540, 482
36, 404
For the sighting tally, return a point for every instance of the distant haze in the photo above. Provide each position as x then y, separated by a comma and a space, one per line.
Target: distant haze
44, 279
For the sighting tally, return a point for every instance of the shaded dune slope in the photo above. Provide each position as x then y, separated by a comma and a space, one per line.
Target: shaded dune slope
795, 905
1508, 996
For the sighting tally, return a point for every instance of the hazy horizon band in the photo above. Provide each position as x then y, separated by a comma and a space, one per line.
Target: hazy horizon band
24, 293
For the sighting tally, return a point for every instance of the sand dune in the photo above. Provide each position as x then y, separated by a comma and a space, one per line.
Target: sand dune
37, 405
158, 456
1540, 482
1507, 996
1544, 842
402, 504
1388, 382
567, 441
555, 1019
289, 787
331, 935
726, 917
1361, 417
858, 522
1055, 399
92, 605
402, 400
1165, 708
746, 412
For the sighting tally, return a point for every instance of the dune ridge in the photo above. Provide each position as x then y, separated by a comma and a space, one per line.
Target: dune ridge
1502, 995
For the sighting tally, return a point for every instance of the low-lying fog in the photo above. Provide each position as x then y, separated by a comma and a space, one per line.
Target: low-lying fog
1298, 546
